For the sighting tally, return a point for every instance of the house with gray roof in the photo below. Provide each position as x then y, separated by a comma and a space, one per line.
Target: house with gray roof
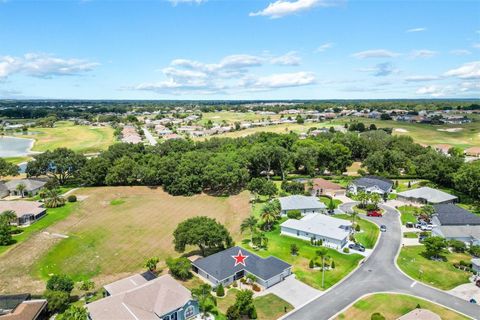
371, 184
32, 186
333, 232
455, 223
306, 205
221, 268
160, 298
426, 195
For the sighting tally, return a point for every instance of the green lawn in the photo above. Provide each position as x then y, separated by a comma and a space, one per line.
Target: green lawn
411, 235
326, 200
271, 307
52, 216
436, 273
79, 138
368, 234
409, 213
393, 306
279, 246
18, 160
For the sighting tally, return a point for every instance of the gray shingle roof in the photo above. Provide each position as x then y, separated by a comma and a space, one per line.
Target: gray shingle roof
372, 181
452, 215
429, 194
221, 265
30, 184
298, 202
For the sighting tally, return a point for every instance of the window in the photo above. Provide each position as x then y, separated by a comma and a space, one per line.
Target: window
173, 316
189, 312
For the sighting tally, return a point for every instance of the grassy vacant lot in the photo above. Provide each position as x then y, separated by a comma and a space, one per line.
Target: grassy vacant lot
393, 306
78, 138
409, 213
116, 229
368, 234
232, 117
439, 274
279, 246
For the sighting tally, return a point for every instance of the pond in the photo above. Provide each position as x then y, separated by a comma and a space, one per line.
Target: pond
14, 147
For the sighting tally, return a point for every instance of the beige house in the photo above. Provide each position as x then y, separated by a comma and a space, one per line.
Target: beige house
27, 211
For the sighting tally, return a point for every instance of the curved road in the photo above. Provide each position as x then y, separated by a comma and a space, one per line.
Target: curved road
378, 273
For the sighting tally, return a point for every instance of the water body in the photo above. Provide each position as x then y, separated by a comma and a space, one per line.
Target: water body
15, 147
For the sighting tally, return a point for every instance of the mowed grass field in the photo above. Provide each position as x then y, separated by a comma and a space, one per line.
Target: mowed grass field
393, 306
65, 134
115, 229
232, 117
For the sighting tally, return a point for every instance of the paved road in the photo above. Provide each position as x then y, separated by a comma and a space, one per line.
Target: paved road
149, 136
378, 274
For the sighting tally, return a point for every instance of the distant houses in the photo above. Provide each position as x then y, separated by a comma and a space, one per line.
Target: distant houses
304, 204
220, 268
130, 135
161, 298
455, 223
371, 184
333, 232
426, 195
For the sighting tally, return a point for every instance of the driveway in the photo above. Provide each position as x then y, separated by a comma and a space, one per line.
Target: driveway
378, 273
293, 291
467, 291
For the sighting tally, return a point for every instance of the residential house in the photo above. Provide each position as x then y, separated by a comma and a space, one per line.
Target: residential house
130, 135
32, 186
455, 223
222, 268
333, 232
306, 205
27, 211
320, 186
476, 266
473, 152
371, 184
420, 314
161, 298
426, 195
22, 307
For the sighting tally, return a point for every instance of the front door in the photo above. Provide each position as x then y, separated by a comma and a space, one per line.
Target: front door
239, 275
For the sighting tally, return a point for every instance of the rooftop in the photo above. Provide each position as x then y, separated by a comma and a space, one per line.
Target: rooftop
148, 301
27, 310
298, 202
30, 184
129, 283
325, 184
22, 207
372, 181
320, 224
221, 265
420, 314
429, 194
451, 215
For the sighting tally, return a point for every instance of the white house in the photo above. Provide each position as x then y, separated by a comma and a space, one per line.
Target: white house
371, 184
455, 223
306, 205
333, 232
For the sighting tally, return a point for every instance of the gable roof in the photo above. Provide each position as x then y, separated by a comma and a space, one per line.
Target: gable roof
453, 215
128, 283
298, 202
320, 224
22, 207
372, 181
27, 310
429, 194
221, 265
30, 184
325, 184
149, 301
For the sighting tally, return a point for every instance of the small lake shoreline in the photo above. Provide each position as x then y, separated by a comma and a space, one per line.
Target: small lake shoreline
12, 150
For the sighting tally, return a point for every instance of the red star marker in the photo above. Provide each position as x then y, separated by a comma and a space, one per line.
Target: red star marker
239, 258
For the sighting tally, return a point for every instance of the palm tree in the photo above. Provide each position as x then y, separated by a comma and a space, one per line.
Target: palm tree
206, 301
322, 253
54, 199
354, 214
8, 215
269, 215
21, 189
375, 198
249, 223
363, 197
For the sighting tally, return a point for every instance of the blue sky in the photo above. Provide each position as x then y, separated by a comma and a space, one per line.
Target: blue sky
239, 49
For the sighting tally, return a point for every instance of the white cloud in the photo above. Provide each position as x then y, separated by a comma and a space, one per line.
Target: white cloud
376, 53
325, 47
423, 53
421, 78
231, 74
417, 30
176, 2
470, 86
460, 52
470, 70
43, 65
281, 8
434, 91
289, 59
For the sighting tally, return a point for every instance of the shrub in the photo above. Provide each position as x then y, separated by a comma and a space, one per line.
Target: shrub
333, 265
357, 228
60, 283
255, 287
233, 313
346, 250
243, 280
180, 268
293, 249
57, 300
253, 313
294, 214
474, 251
72, 198
457, 245
311, 264
370, 207
220, 290
235, 284
377, 316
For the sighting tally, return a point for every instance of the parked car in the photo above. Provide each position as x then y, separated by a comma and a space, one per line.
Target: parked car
409, 225
374, 213
478, 283
383, 228
427, 227
357, 247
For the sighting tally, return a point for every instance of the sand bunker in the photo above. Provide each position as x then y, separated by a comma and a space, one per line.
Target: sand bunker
451, 129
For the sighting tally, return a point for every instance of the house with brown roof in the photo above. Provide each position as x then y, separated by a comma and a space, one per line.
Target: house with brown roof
321, 186
27, 211
473, 152
134, 299
442, 148
20, 307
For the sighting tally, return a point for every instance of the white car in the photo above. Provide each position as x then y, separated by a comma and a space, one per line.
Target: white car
427, 227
